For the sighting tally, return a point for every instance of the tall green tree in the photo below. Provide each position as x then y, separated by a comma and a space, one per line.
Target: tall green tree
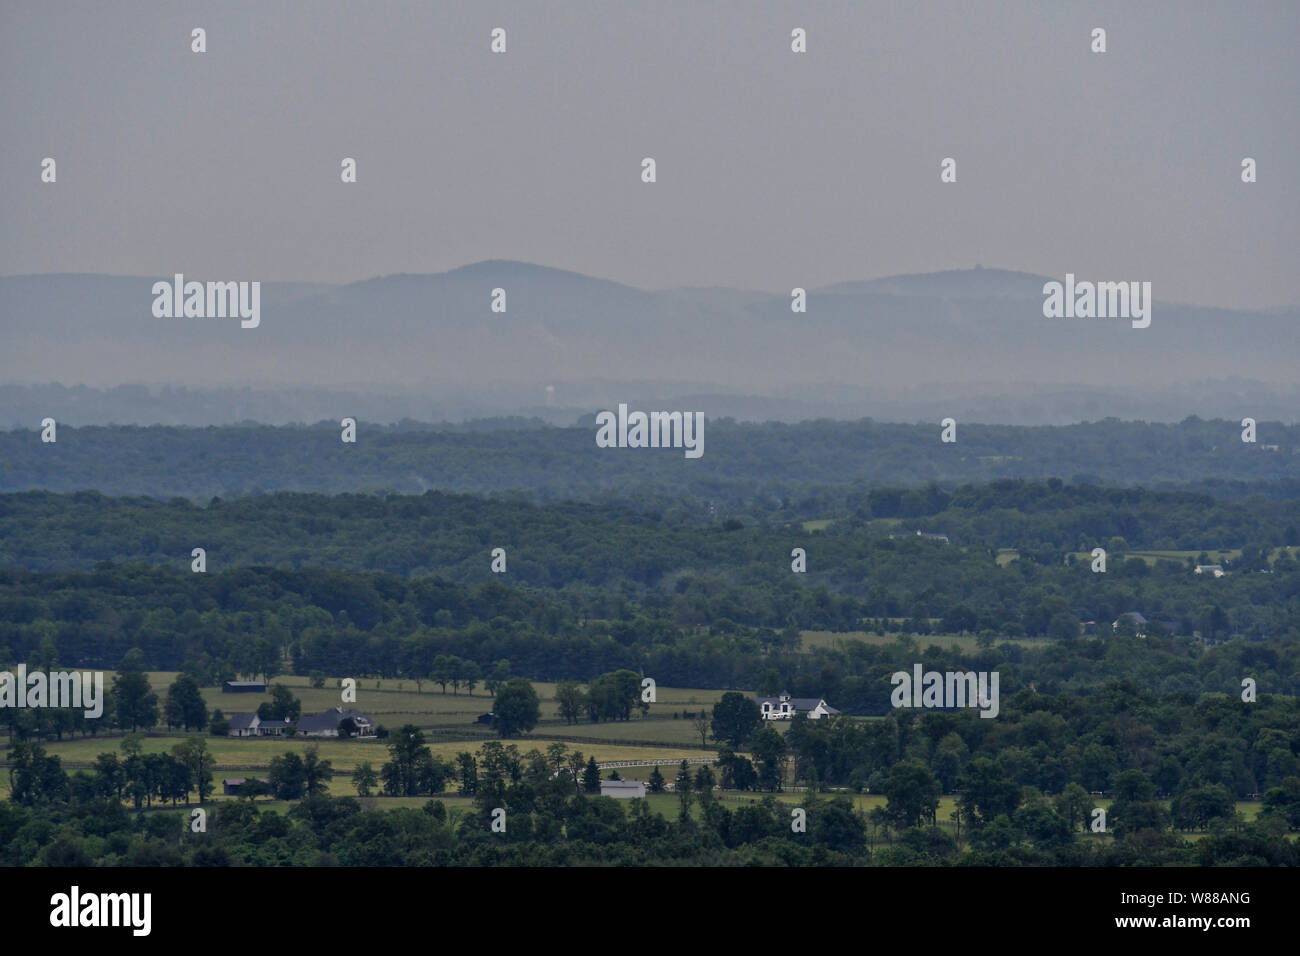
316, 773
591, 777
496, 676
682, 786
443, 670
769, 749
184, 706
406, 752
571, 700
470, 675
288, 779
735, 719
198, 760
911, 794
283, 704
517, 708
364, 779
135, 701
467, 771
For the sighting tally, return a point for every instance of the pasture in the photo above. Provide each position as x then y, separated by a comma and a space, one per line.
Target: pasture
448, 721
963, 642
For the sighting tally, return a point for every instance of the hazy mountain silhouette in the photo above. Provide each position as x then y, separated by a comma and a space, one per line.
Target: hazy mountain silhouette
939, 337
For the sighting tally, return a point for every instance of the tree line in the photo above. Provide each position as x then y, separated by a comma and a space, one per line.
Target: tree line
483, 458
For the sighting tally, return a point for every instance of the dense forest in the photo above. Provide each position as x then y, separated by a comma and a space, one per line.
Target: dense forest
623, 541
260, 621
589, 588
742, 463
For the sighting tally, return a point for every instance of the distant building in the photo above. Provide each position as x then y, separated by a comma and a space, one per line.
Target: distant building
230, 786
1139, 622
785, 707
622, 789
923, 534
1215, 569
485, 718
243, 687
328, 724
250, 725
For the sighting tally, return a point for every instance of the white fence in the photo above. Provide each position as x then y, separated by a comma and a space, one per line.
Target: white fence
675, 762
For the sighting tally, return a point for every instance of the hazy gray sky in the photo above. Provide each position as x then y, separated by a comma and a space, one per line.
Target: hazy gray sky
774, 169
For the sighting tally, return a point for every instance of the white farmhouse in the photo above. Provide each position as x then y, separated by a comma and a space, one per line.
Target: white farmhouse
250, 725
785, 707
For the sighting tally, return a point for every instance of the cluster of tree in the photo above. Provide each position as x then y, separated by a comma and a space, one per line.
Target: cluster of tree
37, 778
853, 675
598, 545
444, 669
1180, 744
292, 776
611, 696
413, 770
283, 705
1026, 785
622, 579
856, 677
410, 458
548, 822
258, 621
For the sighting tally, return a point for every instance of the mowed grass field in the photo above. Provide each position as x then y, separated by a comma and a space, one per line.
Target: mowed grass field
1217, 556
963, 642
447, 719
385, 699
1179, 557
818, 524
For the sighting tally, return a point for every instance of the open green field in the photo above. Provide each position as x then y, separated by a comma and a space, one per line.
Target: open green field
963, 642
1006, 555
448, 720
1216, 556
820, 524
247, 756
1179, 557
394, 703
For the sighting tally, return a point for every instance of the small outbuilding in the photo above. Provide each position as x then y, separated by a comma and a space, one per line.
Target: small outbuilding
622, 789
243, 687
230, 785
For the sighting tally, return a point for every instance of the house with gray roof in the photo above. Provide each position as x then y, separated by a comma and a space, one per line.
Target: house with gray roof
230, 785
250, 725
785, 707
1140, 622
328, 724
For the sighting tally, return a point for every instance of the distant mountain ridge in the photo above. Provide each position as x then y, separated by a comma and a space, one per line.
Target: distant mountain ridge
431, 334
965, 283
